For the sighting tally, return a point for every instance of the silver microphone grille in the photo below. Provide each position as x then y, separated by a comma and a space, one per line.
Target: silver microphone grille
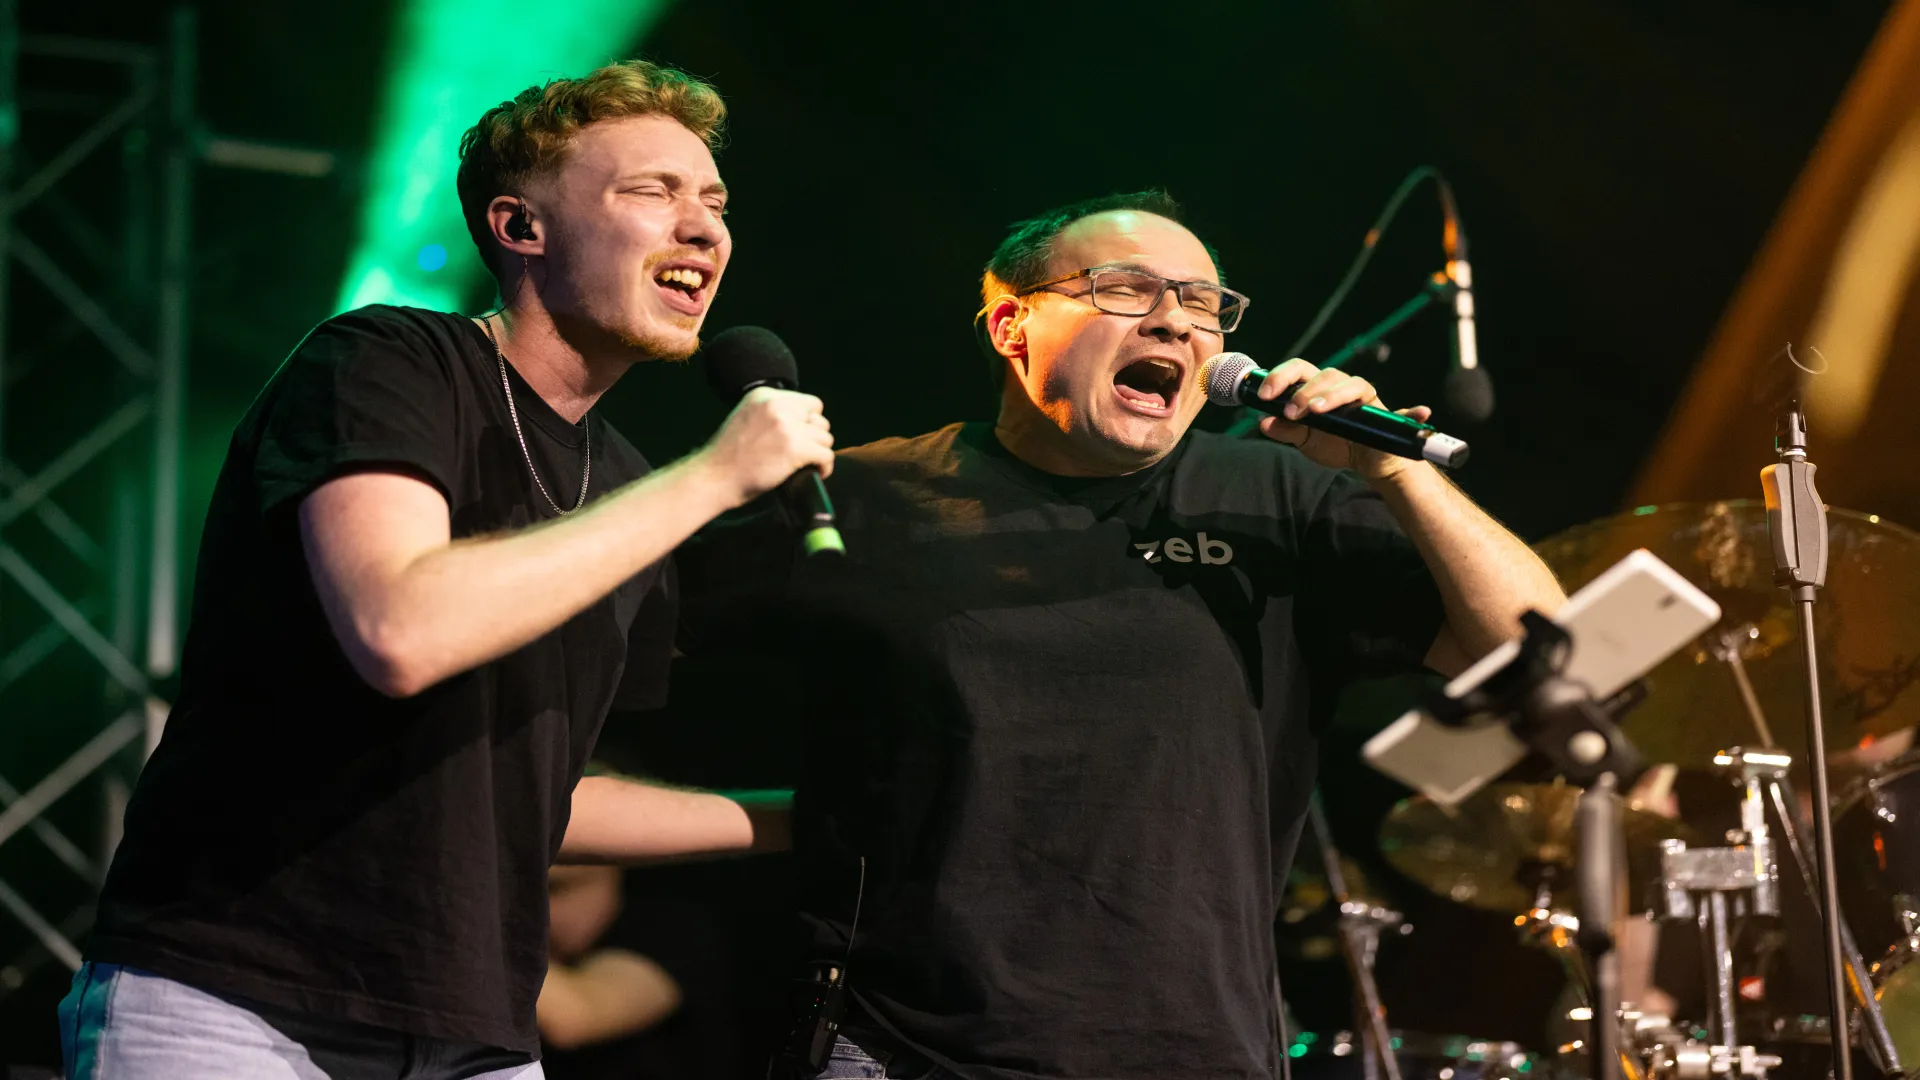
1222, 375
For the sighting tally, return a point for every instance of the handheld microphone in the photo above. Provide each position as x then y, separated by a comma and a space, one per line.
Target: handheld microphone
743, 358
1468, 390
1233, 378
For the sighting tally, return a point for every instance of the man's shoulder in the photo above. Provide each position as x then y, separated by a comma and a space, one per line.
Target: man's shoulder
934, 452
381, 337
399, 314
409, 329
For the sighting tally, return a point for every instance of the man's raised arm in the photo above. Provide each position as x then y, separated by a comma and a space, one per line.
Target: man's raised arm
1487, 576
411, 607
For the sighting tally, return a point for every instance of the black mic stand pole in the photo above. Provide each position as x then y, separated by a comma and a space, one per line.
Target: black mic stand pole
1439, 287
1798, 521
1601, 856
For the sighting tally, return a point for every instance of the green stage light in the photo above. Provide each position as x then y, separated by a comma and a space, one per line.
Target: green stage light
451, 61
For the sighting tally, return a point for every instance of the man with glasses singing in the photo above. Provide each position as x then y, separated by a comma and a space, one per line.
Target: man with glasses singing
1062, 695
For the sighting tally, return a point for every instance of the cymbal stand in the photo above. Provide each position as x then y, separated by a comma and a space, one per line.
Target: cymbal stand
1767, 771
1360, 927
1726, 649
1709, 887
1797, 521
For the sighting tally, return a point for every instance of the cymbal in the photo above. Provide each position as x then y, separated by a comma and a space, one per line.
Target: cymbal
1865, 621
1496, 848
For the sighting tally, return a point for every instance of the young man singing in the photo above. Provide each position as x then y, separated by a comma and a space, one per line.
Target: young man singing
427, 573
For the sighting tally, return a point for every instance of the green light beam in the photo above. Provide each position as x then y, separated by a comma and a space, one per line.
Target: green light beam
451, 61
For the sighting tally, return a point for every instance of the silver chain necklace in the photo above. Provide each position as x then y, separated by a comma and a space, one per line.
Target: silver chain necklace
586, 432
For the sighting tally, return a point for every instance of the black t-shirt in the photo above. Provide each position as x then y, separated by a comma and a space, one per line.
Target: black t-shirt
1069, 724
300, 838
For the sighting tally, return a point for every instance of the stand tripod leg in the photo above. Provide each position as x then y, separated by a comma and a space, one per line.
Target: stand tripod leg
1375, 1033
1376, 1044
1823, 843
1600, 847
1879, 1039
1359, 944
1723, 986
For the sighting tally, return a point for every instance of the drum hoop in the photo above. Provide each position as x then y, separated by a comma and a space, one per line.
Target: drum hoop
1430, 1044
1859, 790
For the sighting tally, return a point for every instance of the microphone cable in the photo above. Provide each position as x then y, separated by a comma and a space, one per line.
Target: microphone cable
859, 895
1372, 242
819, 1031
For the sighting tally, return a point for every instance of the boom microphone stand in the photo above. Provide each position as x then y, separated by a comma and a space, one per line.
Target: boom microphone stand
1798, 521
1440, 287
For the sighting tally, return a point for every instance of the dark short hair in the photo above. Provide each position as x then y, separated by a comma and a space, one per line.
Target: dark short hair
1021, 261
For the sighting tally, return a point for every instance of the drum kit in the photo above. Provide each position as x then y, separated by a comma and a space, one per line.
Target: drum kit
1727, 716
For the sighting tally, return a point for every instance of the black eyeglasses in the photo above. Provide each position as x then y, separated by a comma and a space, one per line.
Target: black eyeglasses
1125, 290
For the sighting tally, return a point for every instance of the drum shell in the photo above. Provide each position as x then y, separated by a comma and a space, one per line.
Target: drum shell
1896, 981
1876, 844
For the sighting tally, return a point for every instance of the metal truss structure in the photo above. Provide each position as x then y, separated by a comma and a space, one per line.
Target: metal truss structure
93, 335
99, 145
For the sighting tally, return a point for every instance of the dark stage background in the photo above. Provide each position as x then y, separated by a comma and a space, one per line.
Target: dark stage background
1617, 164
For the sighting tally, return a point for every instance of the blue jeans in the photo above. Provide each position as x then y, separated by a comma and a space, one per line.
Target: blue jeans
849, 1062
121, 1023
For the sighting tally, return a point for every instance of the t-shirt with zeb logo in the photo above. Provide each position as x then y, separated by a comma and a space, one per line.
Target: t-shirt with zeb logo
1069, 725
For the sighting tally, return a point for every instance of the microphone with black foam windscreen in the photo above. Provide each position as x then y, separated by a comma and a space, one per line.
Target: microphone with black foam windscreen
1233, 378
744, 358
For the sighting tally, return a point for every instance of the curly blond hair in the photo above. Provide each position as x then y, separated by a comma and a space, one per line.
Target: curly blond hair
520, 140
